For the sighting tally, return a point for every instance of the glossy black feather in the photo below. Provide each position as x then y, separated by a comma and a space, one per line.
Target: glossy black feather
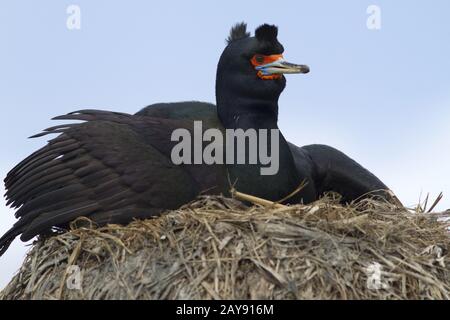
267, 33
238, 32
96, 168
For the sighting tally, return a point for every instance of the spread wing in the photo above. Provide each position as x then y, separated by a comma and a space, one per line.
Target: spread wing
111, 168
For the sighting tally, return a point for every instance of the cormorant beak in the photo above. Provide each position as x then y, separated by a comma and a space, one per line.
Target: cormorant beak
281, 66
277, 66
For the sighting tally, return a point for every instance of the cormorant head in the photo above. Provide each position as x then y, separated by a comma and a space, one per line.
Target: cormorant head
253, 67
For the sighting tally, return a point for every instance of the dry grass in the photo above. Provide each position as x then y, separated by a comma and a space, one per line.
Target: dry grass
217, 248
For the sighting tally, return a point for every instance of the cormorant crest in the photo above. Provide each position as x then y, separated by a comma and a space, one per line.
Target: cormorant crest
239, 31
267, 33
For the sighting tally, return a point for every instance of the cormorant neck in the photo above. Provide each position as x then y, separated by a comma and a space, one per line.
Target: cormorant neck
245, 113
256, 114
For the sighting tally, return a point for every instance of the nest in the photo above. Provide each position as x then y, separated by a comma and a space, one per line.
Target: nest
219, 248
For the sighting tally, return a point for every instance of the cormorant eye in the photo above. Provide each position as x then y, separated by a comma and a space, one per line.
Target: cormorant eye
259, 58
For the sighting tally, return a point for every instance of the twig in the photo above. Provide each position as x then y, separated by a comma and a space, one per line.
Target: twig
293, 193
435, 203
255, 200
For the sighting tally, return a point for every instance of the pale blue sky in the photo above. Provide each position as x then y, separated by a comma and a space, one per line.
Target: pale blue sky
380, 96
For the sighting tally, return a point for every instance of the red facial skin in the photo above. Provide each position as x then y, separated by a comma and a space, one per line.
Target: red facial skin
260, 59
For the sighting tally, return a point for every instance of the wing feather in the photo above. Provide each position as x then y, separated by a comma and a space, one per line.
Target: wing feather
111, 168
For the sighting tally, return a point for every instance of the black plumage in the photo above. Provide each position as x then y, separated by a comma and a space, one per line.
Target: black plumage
239, 31
267, 33
114, 167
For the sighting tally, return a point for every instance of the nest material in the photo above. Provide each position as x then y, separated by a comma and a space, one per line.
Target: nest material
217, 248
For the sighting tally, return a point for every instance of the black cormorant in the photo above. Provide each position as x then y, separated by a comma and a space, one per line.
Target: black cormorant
115, 167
